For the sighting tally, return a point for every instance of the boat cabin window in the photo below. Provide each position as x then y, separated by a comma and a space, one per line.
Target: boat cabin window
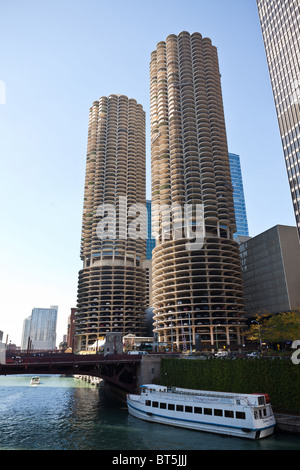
261, 400
259, 414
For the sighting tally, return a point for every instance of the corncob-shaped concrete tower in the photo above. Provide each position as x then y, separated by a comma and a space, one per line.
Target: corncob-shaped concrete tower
112, 283
197, 293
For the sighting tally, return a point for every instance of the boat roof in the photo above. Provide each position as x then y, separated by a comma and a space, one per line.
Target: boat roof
162, 388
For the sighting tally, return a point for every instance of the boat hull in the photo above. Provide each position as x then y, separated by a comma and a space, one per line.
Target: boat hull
34, 381
135, 409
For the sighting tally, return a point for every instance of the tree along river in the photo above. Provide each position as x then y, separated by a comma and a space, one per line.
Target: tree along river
64, 413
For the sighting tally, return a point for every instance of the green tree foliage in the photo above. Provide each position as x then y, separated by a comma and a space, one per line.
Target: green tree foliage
275, 328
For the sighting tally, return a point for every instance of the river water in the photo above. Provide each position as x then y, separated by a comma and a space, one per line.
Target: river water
63, 413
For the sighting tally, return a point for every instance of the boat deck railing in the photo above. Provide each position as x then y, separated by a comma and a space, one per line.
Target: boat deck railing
226, 398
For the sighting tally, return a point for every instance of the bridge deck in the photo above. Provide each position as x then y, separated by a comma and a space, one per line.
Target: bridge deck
119, 369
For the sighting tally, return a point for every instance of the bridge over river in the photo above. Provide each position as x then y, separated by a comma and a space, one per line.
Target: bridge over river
125, 371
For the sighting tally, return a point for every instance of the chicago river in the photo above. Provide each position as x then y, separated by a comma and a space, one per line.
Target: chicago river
63, 413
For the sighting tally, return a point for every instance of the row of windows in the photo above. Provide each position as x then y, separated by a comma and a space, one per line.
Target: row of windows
196, 409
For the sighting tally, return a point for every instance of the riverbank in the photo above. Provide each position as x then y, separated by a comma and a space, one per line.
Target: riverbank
289, 424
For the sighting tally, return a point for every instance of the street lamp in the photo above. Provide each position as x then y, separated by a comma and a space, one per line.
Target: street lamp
255, 321
157, 338
216, 335
190, 333
171, 335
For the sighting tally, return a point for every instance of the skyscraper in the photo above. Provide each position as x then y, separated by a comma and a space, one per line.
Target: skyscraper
25, 333
197, 293
280, 24
148, 264
150, 238
271, 271
112, 283
40, 329
238, 196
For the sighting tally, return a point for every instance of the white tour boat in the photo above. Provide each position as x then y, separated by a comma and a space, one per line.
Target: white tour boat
233, 414
35, 380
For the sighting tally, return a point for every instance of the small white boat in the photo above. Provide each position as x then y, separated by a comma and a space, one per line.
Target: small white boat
234, 414
35, 380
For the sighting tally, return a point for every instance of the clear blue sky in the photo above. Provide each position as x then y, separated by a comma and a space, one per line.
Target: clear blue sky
57, 57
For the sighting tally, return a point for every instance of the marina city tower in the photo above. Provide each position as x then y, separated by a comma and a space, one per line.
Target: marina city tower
197, 293
112, 283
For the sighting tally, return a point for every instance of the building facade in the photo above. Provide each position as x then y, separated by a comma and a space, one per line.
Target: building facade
238, 196
71, 329
271, 271
150, 237
197, 293
112, 283
25, 333
39, 330
280, 24
148, 264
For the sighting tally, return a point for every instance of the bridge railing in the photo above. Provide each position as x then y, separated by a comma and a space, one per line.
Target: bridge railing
49, 357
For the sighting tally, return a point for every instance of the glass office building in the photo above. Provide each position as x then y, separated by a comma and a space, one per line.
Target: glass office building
238, 196
150, 239
39, 330
280, 24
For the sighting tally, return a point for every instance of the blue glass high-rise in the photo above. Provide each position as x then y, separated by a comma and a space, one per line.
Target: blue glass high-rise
150, 240
238, 196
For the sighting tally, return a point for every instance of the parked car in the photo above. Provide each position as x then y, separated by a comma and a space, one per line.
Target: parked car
137, 352
221, 354
254, 354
